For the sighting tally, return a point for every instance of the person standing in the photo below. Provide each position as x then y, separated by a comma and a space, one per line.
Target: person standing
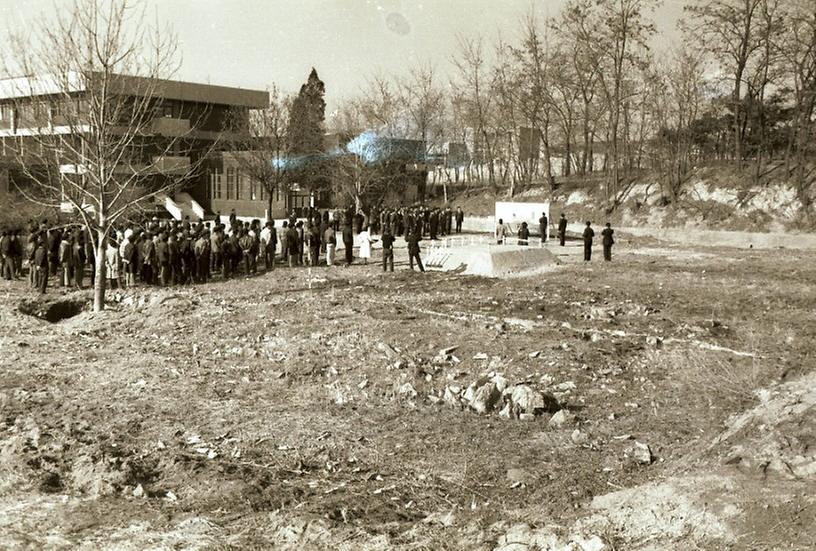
314, 244
562, 229
460, 217
163, 260
201, 250
293, 242
54, 240
246, 242
39, 263
65, 260
413, 240
388, 249
78, 258
523, 235
17, 252
365, 244
330, 242
501, 232
6, 256
269, 242
348, 243
284, 236
112, 264
589, 233
31, 247
434, 224
544, 227
608, 241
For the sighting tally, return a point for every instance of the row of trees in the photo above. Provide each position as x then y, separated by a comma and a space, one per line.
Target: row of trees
584, 92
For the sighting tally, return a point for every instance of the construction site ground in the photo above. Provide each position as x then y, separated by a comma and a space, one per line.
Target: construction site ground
322, 408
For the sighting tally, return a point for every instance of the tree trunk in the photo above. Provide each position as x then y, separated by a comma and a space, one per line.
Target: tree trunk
100, 277
269, 206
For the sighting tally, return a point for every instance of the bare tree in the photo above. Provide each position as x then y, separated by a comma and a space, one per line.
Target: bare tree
423, 102
677, 100
615, 34
85, 118
261, 145
476, 92
728, 29
532, 92
797, 46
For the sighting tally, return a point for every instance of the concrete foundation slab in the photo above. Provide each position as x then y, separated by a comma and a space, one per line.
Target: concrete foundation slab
502, 261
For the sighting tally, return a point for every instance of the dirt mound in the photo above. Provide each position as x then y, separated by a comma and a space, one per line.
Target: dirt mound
778, 437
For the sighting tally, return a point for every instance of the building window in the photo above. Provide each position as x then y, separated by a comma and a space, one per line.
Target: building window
239, 189
230, 183
217, 184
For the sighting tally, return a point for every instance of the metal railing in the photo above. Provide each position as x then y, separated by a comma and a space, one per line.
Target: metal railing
489, 240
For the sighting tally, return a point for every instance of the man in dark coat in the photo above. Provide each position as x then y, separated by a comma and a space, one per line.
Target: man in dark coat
246, 242
388, 249
314, 244
413, 240
284, 241
348, 243
39, 263
589, 233
434, 222
608, 241
562, 229
460, 217
54, 240
293, 243
6, 256
544, 227
523, 234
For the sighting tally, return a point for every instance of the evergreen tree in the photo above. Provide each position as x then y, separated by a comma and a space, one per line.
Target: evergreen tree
306, 128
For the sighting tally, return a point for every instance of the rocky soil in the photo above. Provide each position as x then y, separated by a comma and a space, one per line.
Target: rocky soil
665, 401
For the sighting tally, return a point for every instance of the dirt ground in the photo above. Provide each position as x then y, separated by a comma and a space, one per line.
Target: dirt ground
308, 409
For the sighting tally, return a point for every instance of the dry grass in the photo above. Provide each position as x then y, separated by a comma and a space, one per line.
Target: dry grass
717, 377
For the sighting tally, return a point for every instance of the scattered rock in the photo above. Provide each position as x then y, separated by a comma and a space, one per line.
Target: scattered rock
139, 491
485, 397
441, 518
524, 399
481, 356
594, 543
639, 453
519, 475
521, 537
654, 342
561, 419
579, 438
451, 396
407, 389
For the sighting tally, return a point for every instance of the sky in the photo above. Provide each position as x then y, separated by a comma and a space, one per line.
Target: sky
256, 43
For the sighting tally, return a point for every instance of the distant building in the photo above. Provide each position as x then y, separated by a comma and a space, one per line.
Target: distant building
195, 112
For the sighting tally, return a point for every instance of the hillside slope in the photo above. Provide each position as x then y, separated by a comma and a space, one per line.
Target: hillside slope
713, 198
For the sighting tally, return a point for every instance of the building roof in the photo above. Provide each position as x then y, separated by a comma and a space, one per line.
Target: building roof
73, 83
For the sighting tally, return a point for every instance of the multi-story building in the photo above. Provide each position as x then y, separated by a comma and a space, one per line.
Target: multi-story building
187, 122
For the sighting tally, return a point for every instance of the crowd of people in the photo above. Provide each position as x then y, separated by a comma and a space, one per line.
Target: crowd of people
172, 252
